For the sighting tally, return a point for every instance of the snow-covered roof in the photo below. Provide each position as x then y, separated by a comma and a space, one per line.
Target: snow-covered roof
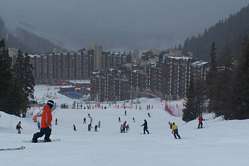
180, 57
34, 55
80, 81
199, 63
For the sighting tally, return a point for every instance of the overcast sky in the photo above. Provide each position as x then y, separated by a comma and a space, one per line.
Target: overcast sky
117, 23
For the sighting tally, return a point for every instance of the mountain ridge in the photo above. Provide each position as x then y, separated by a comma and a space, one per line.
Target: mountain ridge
25, 40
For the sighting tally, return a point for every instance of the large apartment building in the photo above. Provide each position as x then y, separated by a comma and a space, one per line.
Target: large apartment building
167, 77
109, 85
176, 73
55, 67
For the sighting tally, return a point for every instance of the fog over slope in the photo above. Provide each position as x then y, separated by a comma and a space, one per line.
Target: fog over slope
117, 23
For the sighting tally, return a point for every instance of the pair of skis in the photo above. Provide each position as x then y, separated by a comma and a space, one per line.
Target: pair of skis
12, 149
23, 147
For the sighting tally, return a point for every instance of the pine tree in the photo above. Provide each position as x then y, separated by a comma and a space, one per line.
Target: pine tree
29, 78
24, 80
194, 105
241, 88
190, 113
16, 99
225, 85
6, 76
212, 80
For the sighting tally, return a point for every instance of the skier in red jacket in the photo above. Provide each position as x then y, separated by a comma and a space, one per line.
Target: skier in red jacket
200, 120
46, 119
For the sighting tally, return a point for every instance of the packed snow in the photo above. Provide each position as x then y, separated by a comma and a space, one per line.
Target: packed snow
219, 142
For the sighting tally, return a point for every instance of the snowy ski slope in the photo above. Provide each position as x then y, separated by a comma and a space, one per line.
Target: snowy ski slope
220, 142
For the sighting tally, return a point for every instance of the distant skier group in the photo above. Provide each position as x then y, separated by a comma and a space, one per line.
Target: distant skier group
124, 128
49, 107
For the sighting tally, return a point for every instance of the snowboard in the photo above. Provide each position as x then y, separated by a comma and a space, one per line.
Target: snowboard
13, 149
42, 141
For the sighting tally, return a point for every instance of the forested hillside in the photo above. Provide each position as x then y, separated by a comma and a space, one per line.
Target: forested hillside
227, 33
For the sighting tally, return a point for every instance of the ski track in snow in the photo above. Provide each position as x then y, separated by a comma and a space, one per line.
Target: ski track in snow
220, 142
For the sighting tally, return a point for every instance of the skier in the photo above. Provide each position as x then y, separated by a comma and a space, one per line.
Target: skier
45, 122
148, 115
18, 127
133, 119
200, 120
125, 112
175, 130
119, 119
121, 128
84, 120
56, 121
145, 125
89, 127
91, 119
99, 123
74, 127
125, 126
96, 128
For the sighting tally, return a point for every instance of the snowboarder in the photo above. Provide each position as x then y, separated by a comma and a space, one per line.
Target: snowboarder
45, 122
84, 120
74, 127
18, 127
145, 125
175, 130
200, 120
